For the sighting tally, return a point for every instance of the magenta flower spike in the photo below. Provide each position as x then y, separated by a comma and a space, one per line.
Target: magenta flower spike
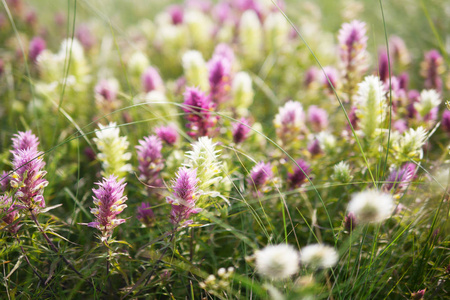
241, 130
37, 45
299, 175
4, 181
145, 214
150, 161
431, 69
10, 213
219, 78
446, 122
198, 112
383, 66
109, 201
260, 176
176, 14
151, 80
168, 134
24, 140
28, 178
185, 193
332, 75
353, 43
398, 180
318, 118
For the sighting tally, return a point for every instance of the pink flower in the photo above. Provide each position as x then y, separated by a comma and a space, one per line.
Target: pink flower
150, 161
24, 140
85, 36
299, 175
167, 133
241, 130
176, 13
399, 180
109, 201
37, 45
318, 118
151, 80
185, 193
260, 176
219, 78
145, 214
10, 213
198, 108
431, 69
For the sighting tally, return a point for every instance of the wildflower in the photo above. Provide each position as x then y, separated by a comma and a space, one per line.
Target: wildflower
105, 94
398, 180
145, 214
9, 213
151, 80
176, 13
112, 149
371, 105
24, 140
242, 90
150, 161
277, 261
431, 69
350, 222
224, 51
184, 196
200, 29
327, 142
28, 178
167, 133
85, 36
342, 172
250, 36
195, 70
109, 201
446, 121
398, 51
371, 206
428, 103
4, 181
260, 176
318, 256
198, 108
314, 147
241, 130
276, 31
330, 79
219, 78
289, 122
311, 76
300, 175
137, 63
37, 45
352, 51
419, 295
383, 66
317, 118
410, 144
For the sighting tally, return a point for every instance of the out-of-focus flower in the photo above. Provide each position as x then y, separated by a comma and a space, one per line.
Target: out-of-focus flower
198, 108
277, 261
242, 91
398, 51
4, 181
151, 80
112, 149
195, 70
419, 295
350, 222
428, 104
200, 28
317, 118
37, 45
109, 201
168, 134
176, 13
371, 206
431, 69
219, 78
318, 256
276, 31
85, 36
241, 130
250, 36
371, 105
150, 161
331, 74
105, 94
383, 66
184, 196
145, 214
260, 175
446, 121
299, 175
10, 213
289, 122
398, 180
137, 63
311, 76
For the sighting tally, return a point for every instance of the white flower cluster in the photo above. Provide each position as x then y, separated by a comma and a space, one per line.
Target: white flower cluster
428, 100
410, 144
371, 206
195, 70
112, 147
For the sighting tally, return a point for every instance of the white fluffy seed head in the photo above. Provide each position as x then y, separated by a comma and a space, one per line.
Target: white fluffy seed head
318, 256
371, 206
277, 261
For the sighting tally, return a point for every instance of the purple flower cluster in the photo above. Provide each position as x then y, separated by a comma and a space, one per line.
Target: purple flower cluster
109, 201
299, 175
150, 161
151, 80
241, 130
28, 176
168, 134
399, 179
219, 78
185, 193
431, 69
37, 45
260, 176
10, 213
145, 214
198, 108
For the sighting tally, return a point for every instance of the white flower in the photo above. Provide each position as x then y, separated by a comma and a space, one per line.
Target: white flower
112, 149
195, 69
371, 206
277, 261
250, 35
276, 29
318, 256
74, 46
410, 144
371, 104
242, 90
342, 172
428, 100
327, 141
137, 63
